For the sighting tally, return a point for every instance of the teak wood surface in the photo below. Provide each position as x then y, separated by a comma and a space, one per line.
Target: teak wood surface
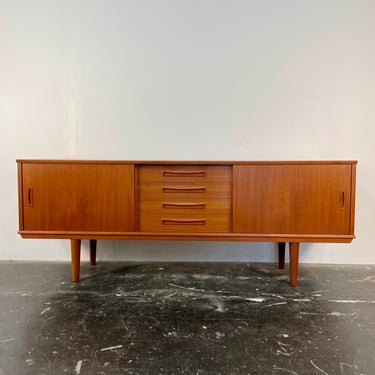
276, 201
184, 199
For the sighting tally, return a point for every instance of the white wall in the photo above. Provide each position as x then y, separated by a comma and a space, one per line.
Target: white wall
204, 80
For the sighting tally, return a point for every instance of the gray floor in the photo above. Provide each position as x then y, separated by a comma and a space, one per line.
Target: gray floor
186, 318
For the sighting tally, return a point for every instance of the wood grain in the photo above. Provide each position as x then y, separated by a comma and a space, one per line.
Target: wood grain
84, 197
177, 198
76, 259
305, 199
291, 201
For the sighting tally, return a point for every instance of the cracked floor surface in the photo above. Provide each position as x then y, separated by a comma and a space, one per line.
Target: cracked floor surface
186, 318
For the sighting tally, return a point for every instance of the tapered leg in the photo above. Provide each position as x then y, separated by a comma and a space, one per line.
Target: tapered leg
93, 252
75, 246
281, 248
293, 260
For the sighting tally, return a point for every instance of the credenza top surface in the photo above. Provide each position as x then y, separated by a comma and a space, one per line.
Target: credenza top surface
188, 162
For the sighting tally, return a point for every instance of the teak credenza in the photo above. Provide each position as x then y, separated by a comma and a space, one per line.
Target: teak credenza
273, 201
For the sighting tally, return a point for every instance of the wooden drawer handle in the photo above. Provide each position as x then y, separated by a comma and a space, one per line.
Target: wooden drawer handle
184, 221
199, 189
184, 205
184, 173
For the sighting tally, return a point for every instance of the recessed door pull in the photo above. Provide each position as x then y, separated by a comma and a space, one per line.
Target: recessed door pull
30, 196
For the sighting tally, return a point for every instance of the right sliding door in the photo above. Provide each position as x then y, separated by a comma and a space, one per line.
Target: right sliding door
293, 198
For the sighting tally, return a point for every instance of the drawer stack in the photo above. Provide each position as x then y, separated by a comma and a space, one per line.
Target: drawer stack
184, 198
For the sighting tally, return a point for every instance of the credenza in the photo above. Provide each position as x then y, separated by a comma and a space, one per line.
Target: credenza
274, 201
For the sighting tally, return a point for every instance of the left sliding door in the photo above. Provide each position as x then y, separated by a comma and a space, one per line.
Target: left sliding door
69, 196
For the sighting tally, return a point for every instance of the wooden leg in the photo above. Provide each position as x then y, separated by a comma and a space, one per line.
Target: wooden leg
93, 252
281, 247
293, 260
75, 246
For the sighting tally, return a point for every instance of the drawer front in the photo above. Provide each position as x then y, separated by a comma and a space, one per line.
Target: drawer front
184, 198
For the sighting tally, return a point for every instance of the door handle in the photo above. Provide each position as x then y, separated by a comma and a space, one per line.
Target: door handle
342, 199
30, 196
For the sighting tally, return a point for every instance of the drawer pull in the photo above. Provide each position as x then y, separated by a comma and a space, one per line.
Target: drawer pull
184, 205
198, 189
184, 173
184, 221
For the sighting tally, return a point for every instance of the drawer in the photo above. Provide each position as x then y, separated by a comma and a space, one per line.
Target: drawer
180, 204
184, 198
184, 173
183, 222
183, 182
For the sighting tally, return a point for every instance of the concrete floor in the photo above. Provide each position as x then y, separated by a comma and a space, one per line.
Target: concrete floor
186, 318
